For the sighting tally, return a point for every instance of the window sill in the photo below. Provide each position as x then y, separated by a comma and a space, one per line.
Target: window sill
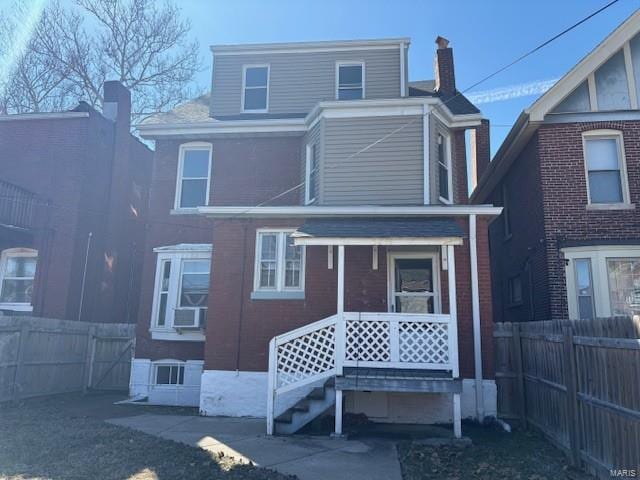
172, 335
282, 295
184, 211
611, 206
17, 307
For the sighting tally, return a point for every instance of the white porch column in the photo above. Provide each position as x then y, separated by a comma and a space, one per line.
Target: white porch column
340, 335
475, 308
453, 312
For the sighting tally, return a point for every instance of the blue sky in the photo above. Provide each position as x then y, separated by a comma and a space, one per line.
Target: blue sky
485, 35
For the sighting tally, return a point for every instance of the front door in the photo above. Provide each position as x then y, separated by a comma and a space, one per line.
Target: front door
413, 283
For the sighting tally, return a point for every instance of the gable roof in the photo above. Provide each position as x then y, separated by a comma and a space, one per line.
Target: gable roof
529, 120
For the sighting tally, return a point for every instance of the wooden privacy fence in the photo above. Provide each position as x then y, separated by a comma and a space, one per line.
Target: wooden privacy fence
579, 383
43, 356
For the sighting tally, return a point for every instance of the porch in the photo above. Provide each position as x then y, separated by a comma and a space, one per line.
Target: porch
411, 348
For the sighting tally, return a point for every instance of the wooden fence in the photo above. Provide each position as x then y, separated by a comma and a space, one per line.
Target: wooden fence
579, 383
43, 356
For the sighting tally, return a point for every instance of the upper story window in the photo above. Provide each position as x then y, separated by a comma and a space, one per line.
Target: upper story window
444, 170
194, 175
515, 290
350, 80
311, 174
17, 274
605, 168
182, 287
279, 263
255, 88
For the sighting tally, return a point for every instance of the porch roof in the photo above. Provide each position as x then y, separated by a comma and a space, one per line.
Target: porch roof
379, 231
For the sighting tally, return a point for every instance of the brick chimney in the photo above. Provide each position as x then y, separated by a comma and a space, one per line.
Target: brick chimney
117, 103
480, 151
444, 72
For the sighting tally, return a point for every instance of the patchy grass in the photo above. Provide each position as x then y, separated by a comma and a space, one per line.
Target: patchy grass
65, 437
494, 454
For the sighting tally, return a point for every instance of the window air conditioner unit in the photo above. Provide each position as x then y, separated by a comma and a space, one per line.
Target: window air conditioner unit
190, 318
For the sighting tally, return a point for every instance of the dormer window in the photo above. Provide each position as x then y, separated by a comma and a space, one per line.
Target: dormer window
350, 81
255, 88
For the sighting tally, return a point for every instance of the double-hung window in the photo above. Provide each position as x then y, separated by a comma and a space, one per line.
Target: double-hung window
17, 275
194, 175
311, 177
584, 288
605, 168
182, 287
279, 263
444, 169
255, 88
350, 80
515, 290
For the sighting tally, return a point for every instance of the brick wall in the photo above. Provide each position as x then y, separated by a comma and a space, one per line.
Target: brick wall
564, 190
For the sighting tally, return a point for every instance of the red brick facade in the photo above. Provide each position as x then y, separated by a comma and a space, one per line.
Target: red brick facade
547, 198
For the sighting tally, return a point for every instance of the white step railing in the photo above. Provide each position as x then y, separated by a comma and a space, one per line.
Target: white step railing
360, 339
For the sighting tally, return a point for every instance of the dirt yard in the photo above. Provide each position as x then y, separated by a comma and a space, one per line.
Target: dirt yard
495, 454
65, 437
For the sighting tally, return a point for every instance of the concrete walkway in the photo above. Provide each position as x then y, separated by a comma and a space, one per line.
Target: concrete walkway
310, 458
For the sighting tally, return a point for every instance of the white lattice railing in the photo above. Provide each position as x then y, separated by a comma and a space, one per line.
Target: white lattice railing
360, 339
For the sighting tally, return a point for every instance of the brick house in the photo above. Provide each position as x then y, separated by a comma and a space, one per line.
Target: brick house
567, 244
311, 236
73, 200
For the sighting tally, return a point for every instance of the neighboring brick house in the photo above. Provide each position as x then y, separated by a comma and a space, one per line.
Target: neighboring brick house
73, 204
568, 176
318, 197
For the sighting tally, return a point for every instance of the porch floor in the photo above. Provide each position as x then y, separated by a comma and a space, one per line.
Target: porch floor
397, 380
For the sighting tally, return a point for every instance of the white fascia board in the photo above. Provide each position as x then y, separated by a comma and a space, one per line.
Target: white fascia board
323, 241
44, 116
308, 47
184, 247
563, 87
223, 127
354, 211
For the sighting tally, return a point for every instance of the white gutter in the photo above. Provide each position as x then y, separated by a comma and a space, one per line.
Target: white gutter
44, 116
475, 308
218, 126
355, 211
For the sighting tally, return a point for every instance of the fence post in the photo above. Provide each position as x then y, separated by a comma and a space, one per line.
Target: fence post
570, 371
517, 353
89, 358
17, 377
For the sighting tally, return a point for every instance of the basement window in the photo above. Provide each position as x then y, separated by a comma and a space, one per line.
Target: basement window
169, 374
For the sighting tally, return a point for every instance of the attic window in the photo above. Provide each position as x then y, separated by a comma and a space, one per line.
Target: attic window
350, 81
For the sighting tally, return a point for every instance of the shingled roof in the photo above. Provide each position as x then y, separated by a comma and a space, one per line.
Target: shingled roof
457, 102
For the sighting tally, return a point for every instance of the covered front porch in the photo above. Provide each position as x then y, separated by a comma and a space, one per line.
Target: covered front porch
412, 347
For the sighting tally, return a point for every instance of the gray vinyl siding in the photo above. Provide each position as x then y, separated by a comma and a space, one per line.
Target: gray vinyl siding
313, 136
300, 80
389, 173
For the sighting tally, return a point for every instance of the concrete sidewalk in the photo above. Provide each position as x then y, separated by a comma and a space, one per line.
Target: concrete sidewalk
310, 458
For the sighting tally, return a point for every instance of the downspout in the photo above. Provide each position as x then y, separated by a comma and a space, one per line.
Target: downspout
475, 308
84, 275
241, 309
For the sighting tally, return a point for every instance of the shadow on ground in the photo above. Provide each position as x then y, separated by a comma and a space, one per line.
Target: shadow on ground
65, 437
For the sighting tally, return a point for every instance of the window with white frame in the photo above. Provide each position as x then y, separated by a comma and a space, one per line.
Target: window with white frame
194, 175
255, 88
182, 288
279, 263
17, 275
605, 167
311, 177
349, 80
444, 169
603, 281
169, 374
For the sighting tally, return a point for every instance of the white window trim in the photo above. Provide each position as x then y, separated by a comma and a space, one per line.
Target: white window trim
359, 63
607, 134
280, 263
244, 87
176, 257
447, 140
4, 259
307, 175
183, 148
599, 274
167, 363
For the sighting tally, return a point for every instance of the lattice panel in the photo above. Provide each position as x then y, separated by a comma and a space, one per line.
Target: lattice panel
368, 341
424, 342
306, 356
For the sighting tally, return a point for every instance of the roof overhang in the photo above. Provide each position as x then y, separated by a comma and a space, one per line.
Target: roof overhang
214, 127
346, 211
44, 116
309, 47
382, 241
